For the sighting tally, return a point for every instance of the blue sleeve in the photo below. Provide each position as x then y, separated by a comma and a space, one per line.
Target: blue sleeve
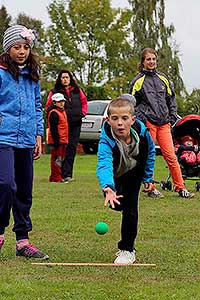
104, 170
150, 162
39, 113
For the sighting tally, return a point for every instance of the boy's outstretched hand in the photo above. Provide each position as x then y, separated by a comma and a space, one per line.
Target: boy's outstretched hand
148, 186
111, 197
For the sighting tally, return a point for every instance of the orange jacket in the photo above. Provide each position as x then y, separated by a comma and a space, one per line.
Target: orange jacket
63, 130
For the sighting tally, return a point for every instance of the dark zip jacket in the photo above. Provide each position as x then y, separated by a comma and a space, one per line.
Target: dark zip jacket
155, 98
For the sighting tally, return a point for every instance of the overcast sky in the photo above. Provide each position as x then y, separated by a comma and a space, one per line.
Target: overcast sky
183, 14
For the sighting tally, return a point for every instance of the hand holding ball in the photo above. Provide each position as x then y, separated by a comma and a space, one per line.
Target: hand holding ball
101, 228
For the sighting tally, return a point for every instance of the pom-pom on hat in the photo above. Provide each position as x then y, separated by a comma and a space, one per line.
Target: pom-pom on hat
58, 97
17, 34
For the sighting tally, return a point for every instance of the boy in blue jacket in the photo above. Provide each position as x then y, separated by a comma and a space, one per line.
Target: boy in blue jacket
126, 157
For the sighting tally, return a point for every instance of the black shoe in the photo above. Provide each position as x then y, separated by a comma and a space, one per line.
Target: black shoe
185, 194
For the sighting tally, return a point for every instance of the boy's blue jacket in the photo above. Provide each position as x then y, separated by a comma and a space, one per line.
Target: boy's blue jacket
21, 116
108, 155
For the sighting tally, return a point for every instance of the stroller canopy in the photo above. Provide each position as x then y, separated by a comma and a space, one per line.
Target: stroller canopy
188, 125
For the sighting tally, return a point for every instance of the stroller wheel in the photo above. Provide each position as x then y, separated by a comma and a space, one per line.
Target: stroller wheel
197, 186
168, 185
162, 185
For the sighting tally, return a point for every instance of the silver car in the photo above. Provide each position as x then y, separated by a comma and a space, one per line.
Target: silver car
91, 125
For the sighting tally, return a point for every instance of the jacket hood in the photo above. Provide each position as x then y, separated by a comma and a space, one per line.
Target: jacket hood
3, 67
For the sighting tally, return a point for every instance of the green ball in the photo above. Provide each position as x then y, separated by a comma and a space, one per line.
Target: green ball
101, 228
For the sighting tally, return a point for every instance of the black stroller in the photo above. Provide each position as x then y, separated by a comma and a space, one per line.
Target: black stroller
187, 126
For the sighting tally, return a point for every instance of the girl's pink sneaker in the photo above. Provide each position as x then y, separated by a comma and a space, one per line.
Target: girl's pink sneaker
1, 242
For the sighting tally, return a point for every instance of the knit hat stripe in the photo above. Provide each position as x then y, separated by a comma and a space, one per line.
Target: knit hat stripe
13, 35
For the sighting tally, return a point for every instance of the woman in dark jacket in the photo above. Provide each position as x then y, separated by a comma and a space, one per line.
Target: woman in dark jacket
76, 108
156, 107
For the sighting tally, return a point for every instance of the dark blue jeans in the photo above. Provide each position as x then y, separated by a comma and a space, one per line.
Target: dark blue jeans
128, 185
16, 178
68, 162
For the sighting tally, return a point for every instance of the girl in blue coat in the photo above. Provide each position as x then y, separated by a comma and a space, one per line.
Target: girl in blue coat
21, 131
126, 157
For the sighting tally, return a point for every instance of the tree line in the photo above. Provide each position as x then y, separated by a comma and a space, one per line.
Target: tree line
101, 45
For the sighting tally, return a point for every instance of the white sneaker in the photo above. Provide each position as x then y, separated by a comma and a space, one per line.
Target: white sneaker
68, 179
125, 257
155, 194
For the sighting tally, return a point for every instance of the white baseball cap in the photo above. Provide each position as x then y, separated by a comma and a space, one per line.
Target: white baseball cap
58, 97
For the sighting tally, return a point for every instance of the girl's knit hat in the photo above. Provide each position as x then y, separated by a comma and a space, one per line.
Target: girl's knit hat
17, 34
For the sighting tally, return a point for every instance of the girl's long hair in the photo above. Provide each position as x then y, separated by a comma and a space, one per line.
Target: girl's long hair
143, 55
31, 63
58, 85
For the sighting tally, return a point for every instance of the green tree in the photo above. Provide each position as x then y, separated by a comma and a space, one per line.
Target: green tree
180, 105
101, 45
5, 20
87, 36
192, 102
95, 92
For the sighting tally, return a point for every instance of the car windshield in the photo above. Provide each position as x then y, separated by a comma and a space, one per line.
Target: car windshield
96, 108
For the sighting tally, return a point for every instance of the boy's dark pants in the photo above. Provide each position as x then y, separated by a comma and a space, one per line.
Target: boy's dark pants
128, 185
16, 177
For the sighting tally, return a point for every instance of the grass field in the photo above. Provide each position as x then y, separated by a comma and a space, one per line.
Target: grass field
64, 218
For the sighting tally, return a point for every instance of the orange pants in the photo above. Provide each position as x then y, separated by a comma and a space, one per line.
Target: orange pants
162, 134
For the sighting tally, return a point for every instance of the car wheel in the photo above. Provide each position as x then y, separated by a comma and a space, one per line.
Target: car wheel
90, 149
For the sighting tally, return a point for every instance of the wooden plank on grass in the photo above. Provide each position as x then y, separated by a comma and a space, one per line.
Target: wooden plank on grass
93, 265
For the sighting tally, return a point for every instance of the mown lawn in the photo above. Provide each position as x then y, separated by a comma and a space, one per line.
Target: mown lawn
64, 218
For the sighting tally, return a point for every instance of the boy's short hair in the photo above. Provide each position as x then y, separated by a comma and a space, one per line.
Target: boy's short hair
121, 102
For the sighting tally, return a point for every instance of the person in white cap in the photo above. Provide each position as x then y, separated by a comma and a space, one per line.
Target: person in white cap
57, 136
21, 131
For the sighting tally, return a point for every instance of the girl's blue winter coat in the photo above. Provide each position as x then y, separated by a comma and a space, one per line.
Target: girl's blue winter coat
21, 118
